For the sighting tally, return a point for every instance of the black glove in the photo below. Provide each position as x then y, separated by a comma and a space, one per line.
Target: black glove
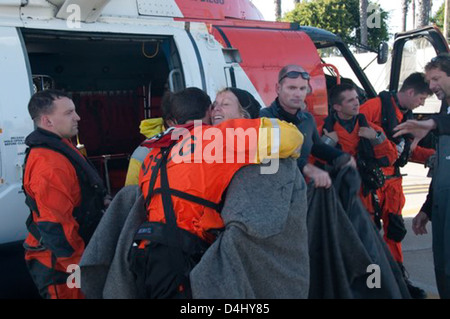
396, 229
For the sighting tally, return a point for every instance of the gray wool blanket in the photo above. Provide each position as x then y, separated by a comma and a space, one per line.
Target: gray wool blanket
104, 265
263, 252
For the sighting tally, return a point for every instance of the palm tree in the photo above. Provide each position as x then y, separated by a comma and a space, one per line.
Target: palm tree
363, 5
446, 19
424, 7
405, 4
278, 10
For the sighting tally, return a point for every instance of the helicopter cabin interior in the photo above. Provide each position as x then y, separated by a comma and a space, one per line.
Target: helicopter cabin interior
115, 81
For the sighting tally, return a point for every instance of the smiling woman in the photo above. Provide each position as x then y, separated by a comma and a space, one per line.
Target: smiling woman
226, 107
233, 103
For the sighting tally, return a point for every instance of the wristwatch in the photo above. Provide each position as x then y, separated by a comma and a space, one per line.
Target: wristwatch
379, 138
328, 140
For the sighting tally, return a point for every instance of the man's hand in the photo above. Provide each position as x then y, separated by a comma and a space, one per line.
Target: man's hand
106, 201
367, 132
419, 224
352, 163
333, 135
417, 128
320, 177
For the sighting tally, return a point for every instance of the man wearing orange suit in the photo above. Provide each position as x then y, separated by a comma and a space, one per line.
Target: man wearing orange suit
348, 130
65, 194
388, 110
183, 180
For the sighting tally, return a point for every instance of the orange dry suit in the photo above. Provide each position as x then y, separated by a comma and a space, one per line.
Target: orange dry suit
184, 181
371, 155
385, 111
65, 195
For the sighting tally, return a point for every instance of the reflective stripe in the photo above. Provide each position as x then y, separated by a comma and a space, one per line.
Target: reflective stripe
55, 239
275, 142
328, 140
140, 153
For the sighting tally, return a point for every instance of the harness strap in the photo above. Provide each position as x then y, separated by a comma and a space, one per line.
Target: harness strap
170, 234
389, 121
33, 230
31, 203
157, 232
31, 225
169, 213
388, 117
174, 192
365, 148
191, 198
153, 181
174, 236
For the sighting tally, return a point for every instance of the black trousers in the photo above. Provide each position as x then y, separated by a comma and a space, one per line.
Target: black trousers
162, 272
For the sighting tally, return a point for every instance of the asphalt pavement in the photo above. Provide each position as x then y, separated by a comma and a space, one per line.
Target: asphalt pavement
417, 250
418, 260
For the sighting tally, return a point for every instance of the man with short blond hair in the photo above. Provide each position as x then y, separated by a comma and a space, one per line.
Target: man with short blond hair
292, 88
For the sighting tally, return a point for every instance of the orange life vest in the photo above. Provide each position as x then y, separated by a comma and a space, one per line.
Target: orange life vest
200, 166
373, 110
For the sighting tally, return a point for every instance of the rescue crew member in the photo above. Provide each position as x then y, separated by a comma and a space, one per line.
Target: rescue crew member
64, 193
388, 110
152, 127
349, 130
292, 88
183, 195
148, 128
437, 206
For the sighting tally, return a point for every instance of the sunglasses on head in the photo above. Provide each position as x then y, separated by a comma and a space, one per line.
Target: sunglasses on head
294, 75
440, 58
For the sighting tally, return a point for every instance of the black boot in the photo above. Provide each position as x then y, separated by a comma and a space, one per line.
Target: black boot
415, 292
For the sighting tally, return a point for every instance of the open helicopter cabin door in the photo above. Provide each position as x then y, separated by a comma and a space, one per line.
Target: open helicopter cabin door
412, 51
115, 80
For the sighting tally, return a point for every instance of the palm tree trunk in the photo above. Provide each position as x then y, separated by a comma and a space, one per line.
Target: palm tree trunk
423, 18
405, 4
446, 19
278, 10
363, 5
